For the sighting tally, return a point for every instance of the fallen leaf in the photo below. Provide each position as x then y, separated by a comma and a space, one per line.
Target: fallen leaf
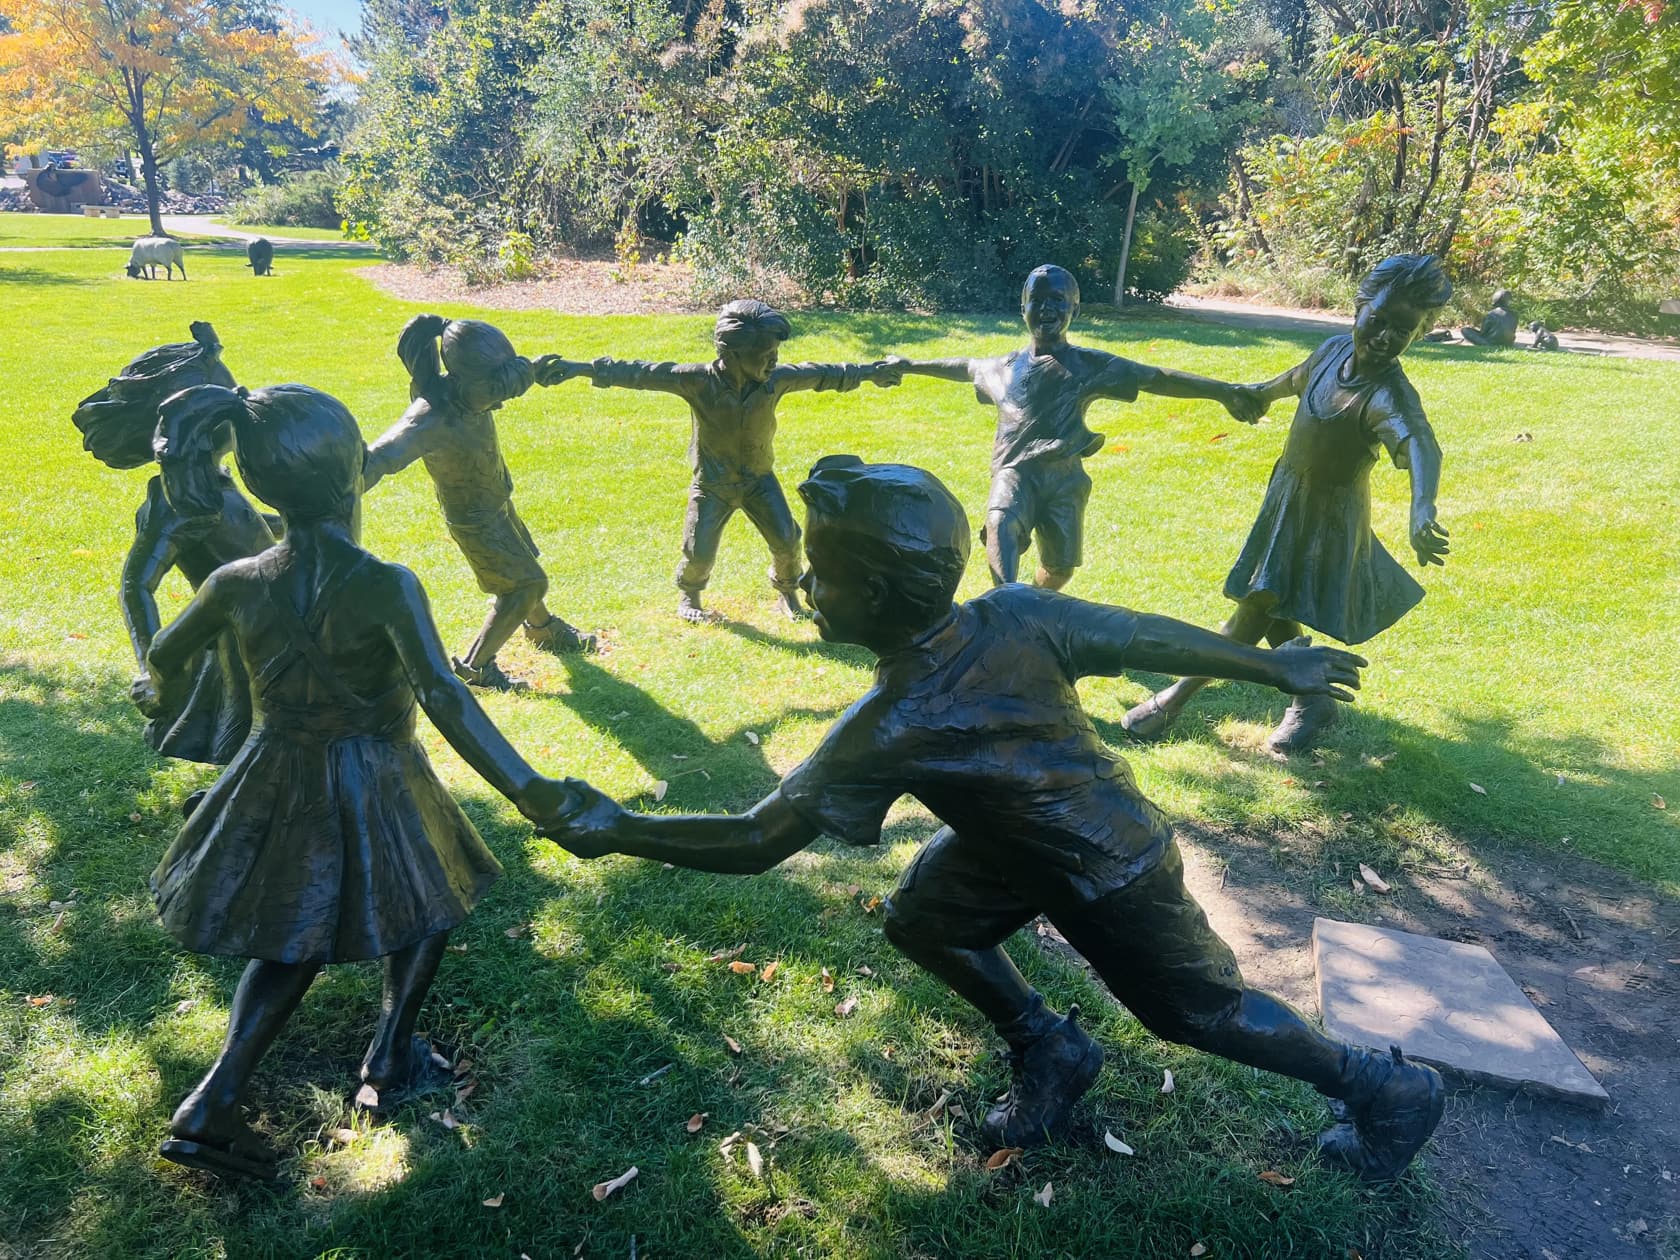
456, 949
934, 1111
734, 1046
672, 967
344, 1136
1478, 789
320, 1183
1219, 437
1347, 815
44, 999
769, 972
872, 905
134, 818
463, 1067
57, 924
1358, 886
367, 1096
1274, 1178
27, 784
185, 1005
743, 968
1043, 1197
1197, 1249
518, 930
1116, 1145
495, 1201
752, 737
755, 1159
619, 717
660, 787
1657, 802
1167, 1082
465, 1091
866, 970
77, 634
827, 980
724, 955
604, 1188
1002, 1159
696, 1121
446, 1118
1374, 881
843, 1009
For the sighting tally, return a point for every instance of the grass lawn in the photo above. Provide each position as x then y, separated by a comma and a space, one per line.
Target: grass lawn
296, 233
1540, 669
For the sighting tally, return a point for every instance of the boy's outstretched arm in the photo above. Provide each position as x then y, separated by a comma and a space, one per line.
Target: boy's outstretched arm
729, 844
667, 378
944, 369
1239, 400
551, 369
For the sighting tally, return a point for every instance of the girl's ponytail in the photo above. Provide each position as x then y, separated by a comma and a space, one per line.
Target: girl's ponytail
418, 350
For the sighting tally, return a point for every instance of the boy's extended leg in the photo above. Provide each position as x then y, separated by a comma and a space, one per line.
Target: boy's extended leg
767, 508
1153, 946
207, 1130
950, 914
708, 512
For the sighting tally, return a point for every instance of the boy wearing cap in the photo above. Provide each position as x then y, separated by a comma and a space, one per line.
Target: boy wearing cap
974, 713
1041, 392
733, 404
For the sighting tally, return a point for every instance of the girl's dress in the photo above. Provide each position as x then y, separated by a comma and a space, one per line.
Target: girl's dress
1312, 548
329, 837
212, 717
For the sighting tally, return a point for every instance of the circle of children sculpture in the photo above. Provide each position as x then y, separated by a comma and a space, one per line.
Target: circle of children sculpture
328, 838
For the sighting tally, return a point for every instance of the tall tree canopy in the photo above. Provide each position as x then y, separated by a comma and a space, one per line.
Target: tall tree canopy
158, 77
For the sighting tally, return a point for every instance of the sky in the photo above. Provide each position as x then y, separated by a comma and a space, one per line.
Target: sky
329, 16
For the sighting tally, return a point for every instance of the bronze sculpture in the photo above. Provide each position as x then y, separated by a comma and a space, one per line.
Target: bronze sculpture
148, 253
1544, 338
1499, 325
328, 838
1311, 558
451, 426
259, 256
974, 712
194, 518
1039, 483
732, 403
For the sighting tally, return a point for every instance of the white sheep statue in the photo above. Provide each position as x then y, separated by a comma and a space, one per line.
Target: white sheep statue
149, 252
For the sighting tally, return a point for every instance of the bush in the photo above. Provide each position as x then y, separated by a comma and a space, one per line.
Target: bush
304, 199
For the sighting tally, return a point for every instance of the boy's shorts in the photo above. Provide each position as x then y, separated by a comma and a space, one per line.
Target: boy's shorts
1046, 498
1148, 940
499, 550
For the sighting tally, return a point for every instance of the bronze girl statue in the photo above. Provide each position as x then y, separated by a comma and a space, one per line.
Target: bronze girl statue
1311, 558
193, 519
452, 427
328, 838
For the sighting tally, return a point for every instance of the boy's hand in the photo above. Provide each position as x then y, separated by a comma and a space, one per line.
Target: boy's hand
1305, 670
889, 371
1429, 536
144, 692
552, 369
1246, 403
589, 828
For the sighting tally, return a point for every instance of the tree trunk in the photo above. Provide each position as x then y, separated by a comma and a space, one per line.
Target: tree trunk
1126, 246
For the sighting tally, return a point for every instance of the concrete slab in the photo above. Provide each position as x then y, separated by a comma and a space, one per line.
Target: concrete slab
1446, 1003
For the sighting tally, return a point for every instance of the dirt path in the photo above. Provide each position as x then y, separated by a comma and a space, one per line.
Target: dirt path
1522, 1178
1244, 314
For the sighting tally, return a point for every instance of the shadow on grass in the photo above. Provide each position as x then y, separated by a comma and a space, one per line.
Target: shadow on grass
36, 276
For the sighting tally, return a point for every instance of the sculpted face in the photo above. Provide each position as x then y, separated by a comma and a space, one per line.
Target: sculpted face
754, 358
844, 607
1383, 329
1048, 306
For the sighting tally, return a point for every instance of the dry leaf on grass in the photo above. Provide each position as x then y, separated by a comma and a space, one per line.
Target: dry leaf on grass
185, 1005
845, 1009
446, 1118
769, 972
465, 1090
660, 787
1167, 1082
1375, 882
518, 930
743, 968
463, 1067
1116, 1145
604, 1188
755, 1159
696, 1121
320, 1183
1478, 789
367, 1096
671, 967
1197, 1249
495, 1200
872, 905
726, 1148
1274, 1178
134, 818
938, 1107
734, 1046
344, 1136
43, 999
1003, 1158
1657, 802
826, 980
724, 955
1043, 1197
1358, 886
752, 737
866, 970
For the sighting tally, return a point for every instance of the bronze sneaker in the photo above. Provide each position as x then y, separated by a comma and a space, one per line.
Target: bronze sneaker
1048, 1075
1380, 1135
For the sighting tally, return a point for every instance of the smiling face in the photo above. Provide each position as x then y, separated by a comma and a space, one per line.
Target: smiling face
1048, 304
1383, 328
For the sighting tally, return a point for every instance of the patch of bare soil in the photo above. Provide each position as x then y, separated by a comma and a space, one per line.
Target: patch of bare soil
1524, 1178
573, 286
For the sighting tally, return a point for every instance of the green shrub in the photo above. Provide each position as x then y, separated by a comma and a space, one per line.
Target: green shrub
303, 199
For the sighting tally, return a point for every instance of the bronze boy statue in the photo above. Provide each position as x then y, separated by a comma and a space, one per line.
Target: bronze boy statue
974, 713
328, 838
451, 426
1039, 484
194, 519
732, 401
1311, 558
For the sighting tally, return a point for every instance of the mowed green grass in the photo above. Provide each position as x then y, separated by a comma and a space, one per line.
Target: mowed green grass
1539, 668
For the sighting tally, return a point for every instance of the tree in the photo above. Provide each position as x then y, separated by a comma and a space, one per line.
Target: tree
160, 77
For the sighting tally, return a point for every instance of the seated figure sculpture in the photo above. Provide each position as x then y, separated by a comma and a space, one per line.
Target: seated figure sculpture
1041, 392
1499, 325
732, 402
974, 712
328, 838
1311, 558
193, 519
451, 426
